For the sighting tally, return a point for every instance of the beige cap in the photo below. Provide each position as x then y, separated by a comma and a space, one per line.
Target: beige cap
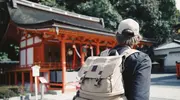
128, 24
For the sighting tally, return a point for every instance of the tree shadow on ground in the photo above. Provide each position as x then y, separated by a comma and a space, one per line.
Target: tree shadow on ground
169, 80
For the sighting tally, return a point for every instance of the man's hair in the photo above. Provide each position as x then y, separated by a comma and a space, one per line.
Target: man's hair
128, 32
128, 40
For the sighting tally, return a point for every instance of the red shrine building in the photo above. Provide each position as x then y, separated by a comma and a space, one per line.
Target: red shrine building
58, 41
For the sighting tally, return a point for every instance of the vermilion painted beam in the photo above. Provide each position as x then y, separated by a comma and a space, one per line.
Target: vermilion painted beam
26, 52
42, 53
74, 58
82, 54
63, 60
22, 78
97, 48
31, 81
15, 78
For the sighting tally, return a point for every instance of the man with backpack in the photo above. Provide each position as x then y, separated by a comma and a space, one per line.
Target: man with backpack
121, 73
137, 72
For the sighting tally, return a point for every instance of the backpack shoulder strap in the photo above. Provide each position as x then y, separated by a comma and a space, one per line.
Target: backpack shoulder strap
105, 52
128, 52
125, 55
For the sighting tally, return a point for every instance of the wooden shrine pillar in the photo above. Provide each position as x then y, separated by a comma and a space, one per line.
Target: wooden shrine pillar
22, 78
74, 57
1, 77
97, 49
63, 63
6, 78
9, 78
15, 78
42, 53
82, 55
31, 81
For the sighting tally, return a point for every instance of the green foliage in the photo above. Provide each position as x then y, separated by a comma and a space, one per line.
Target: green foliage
9, 91
16, 48
53, 3
177, 14
4, 56
102, 9
9, 52
155, 17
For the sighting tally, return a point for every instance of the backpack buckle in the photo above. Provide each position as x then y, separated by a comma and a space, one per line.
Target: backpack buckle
98, 80
83, 78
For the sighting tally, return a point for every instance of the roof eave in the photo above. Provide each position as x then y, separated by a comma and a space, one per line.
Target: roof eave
58, 11
86, 30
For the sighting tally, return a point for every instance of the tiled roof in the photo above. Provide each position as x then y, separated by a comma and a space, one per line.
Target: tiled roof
29, 13
173, 44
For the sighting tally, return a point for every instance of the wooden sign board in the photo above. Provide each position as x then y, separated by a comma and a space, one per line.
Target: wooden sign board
43, 80
35, 70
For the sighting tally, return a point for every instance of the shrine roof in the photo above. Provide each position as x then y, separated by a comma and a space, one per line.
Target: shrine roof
28, 14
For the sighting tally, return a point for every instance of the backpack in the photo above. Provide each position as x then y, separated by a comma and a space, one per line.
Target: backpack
101, 77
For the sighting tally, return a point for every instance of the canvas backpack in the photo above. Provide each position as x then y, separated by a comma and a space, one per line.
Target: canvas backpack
101, 77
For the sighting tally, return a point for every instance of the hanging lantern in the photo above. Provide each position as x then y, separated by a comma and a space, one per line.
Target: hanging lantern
57, 31
84, 48
91, 47
74, 46
70, 52
178, 32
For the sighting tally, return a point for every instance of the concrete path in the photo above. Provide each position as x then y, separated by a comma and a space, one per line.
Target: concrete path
163, 87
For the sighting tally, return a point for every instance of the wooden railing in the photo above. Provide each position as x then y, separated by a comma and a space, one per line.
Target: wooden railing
51, 65
49, 86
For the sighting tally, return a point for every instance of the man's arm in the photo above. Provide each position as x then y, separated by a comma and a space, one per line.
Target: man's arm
141, 79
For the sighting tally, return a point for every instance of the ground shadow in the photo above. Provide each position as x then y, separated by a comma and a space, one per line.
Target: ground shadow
169, 80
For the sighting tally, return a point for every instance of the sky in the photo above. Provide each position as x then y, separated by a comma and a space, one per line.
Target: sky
178, 4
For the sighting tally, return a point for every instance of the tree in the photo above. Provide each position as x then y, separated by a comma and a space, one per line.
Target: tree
177, 21
155, 17
54, 3
102, 9
10, 51
4, 56
177, 15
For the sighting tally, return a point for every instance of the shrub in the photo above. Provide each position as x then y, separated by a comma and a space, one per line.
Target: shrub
10, 91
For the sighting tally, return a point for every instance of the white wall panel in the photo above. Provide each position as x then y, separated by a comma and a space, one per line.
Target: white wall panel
30, 56
29, 36
37, 39
23, 44
30, 41
171, 59
22, 38
23, 57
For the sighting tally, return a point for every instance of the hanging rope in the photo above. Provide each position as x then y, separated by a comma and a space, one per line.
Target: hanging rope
74, 46
91, 47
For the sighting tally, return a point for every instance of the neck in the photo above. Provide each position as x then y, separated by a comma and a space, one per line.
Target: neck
122, 44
